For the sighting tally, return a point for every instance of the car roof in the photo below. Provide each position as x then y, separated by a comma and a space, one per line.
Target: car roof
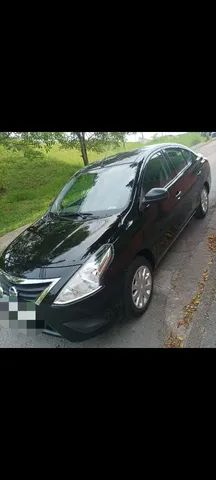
130, 157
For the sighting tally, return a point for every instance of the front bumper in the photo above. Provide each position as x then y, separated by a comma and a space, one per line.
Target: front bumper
84, 318
75, 321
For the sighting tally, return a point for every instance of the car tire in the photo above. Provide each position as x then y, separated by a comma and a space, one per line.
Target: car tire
138, 287
204, 203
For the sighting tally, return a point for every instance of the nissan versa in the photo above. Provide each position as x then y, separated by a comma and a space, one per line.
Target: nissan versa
95, 250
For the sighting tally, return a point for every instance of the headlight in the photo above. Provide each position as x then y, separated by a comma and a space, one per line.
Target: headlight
87, 279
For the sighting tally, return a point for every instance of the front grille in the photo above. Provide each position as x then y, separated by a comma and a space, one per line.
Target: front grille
28, 290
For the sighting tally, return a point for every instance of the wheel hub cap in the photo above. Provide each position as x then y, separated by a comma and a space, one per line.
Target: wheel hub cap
141, 287
204, 200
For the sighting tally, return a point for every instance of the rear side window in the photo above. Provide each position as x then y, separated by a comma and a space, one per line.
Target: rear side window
189, 156
176, 159
155, 175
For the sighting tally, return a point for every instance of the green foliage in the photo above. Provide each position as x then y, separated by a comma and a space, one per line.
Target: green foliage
31, 144
34, 143
28, 187
96, 141
188, 139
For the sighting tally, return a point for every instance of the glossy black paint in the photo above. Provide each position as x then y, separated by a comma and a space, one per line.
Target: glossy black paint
56, 247
156, 194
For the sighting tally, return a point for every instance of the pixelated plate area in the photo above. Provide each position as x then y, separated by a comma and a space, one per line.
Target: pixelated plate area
18, 315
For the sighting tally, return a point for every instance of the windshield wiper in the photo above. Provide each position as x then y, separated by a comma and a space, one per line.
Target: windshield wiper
86, 214
76, 214
52, 214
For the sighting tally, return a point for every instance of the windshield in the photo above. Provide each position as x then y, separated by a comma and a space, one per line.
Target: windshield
104, 190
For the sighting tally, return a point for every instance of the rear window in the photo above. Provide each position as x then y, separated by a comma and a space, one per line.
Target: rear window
189, 156
177, 160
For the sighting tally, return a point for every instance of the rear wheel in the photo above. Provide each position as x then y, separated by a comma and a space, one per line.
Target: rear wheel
138, 287
204, 203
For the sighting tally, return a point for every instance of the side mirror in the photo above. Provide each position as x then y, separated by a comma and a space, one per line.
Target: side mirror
154, 195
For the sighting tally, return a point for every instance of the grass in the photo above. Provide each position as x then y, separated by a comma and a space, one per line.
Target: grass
187, 139
27, 186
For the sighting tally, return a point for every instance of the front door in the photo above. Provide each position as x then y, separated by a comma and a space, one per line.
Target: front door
161, 218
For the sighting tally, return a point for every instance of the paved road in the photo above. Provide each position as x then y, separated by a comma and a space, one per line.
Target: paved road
203, 330
175, 284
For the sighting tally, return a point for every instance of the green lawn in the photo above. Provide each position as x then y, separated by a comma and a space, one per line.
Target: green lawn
27, 186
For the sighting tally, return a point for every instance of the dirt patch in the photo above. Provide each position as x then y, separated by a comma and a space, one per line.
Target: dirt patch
2, 190
174, 340
212, 243
193, 305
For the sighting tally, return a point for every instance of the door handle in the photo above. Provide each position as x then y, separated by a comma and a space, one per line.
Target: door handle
178, 195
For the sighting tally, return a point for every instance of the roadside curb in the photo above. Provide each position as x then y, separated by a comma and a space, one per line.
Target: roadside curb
201, 317
198, 315
6, 239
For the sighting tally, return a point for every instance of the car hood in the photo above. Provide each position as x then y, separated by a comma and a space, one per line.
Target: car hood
56, 243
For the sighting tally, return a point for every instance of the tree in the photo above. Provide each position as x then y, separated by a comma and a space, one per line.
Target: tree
87, 141
84, 141
30, 143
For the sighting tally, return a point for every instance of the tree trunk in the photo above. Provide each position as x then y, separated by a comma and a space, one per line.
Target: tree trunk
81, 136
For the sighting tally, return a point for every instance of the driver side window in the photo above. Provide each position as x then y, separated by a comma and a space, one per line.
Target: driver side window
155, 175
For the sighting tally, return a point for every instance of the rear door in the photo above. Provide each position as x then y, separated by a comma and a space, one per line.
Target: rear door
183, 184
195, 171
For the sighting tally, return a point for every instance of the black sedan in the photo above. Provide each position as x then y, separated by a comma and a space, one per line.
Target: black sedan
95, 250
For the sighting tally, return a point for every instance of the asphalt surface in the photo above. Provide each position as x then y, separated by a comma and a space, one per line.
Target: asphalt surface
203, 329
175, 284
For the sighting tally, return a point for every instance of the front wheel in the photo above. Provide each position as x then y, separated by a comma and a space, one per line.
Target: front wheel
204, 203
138, 287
